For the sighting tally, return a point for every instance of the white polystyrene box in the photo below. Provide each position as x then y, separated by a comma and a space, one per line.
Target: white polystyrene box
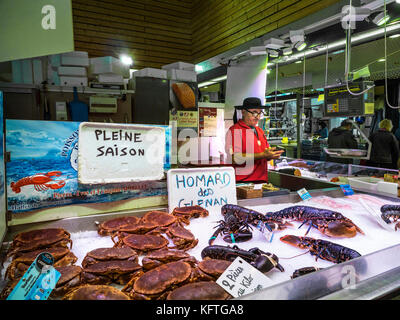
151, 72
73, 81
180, 66
110, 78
75, 58
364, 183
387, 187
108, 65
72, 71
182, 75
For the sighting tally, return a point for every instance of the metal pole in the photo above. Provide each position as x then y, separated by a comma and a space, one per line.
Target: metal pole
298, 125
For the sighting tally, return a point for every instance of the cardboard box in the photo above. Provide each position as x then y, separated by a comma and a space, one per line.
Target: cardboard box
180, 66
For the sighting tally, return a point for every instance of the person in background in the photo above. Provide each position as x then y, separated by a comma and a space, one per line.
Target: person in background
323, 130
342, 138
385, 147
246, 144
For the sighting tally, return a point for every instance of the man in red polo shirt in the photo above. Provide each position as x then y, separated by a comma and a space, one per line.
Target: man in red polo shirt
247, 146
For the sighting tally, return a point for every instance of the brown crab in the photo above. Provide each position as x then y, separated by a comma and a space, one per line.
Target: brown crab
203, 290
112, 226
106, 254
8, 288
70, 278
158, 282
186, 213
62, 257
96, 292
181, 237
157, 258
106, 272
38, 239
153, 222
142, 243
211, 269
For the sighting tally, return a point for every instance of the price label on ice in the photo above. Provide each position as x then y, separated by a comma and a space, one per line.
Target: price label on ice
347, 190
241, 278
38, 281
304, 194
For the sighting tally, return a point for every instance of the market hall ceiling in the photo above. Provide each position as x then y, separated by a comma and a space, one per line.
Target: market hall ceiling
159, 32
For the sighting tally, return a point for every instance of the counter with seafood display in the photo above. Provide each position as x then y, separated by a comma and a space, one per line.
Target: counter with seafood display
359, 177
318, 248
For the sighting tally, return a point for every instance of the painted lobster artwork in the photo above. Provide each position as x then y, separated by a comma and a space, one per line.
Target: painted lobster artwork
40, 181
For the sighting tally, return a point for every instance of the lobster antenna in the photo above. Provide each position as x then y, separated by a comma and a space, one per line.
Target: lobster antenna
295, 255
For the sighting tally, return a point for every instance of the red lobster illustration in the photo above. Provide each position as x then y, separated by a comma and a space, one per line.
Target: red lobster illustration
41, 182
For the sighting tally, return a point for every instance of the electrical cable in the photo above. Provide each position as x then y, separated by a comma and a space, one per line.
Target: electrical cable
348, 59
386, 84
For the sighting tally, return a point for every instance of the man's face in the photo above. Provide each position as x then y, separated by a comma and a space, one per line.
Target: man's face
252, 116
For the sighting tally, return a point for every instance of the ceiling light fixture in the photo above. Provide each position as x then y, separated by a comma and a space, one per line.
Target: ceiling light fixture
297, 38
287, 51
273, 53
126, 60
381, 18
258, 51
274, 43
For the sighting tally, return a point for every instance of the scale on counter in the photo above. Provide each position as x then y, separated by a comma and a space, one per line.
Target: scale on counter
351, 153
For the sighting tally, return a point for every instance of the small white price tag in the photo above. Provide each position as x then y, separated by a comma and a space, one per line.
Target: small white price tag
264, 230
258, 186
241, 278
304, 194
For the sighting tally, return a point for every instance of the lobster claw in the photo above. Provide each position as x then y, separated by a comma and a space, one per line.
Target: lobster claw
265, 263
340, 229
238, 237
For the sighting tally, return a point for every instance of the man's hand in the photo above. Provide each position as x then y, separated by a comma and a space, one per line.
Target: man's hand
272, 153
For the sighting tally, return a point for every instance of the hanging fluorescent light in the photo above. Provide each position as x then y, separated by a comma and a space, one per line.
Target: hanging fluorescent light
273, 53
287, 51
258, 51
274, 43
381, 18
301, 45
126, 60
297, 38
354, 39
198, 68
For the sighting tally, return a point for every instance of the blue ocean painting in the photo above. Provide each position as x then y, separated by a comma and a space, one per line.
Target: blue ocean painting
43, 173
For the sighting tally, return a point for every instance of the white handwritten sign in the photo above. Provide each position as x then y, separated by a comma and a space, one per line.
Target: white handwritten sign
241, 278
111, 153
206, 187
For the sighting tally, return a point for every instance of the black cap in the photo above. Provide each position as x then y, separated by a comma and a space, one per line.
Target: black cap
251, 103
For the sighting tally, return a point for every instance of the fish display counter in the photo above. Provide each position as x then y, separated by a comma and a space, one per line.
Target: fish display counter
318, 249
361, 178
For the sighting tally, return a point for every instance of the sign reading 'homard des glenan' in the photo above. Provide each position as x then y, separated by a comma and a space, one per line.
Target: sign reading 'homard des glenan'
33, 28
112, 153
206, 187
